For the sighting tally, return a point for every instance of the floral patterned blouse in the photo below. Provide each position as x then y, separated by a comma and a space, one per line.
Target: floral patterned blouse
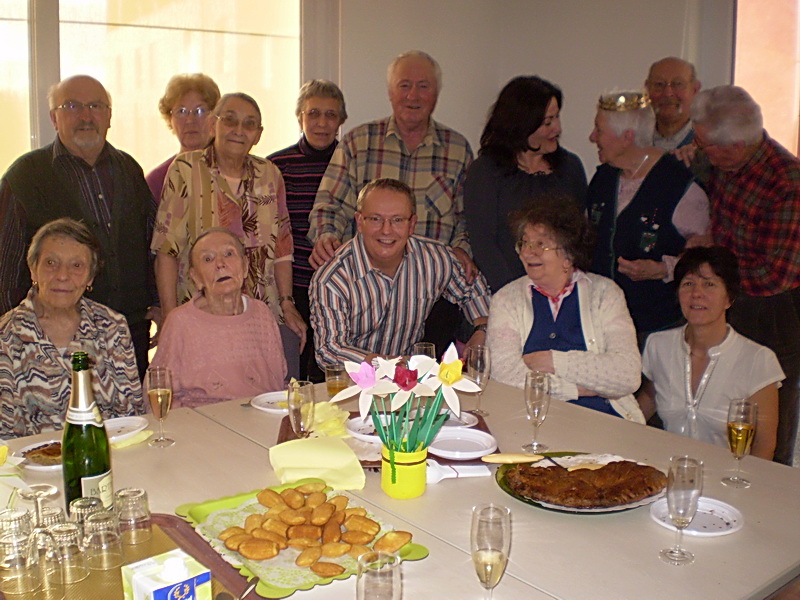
36, 377
196, 197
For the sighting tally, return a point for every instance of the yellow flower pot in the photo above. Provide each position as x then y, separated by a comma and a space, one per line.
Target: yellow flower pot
407, 478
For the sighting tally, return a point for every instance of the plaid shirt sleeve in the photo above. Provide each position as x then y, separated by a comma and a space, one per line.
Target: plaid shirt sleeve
460, 236
335, 205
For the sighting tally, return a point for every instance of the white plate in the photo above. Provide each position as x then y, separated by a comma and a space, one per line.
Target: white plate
33, 466
714, 517
362, 430
459, 443
464, 420
269, 402
123, 428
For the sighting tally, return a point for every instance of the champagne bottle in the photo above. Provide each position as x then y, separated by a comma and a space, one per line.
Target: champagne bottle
84, 449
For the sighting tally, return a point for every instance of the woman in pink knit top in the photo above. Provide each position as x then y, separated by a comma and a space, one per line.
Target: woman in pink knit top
221, 344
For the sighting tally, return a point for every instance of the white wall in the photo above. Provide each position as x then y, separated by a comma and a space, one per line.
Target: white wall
584, 46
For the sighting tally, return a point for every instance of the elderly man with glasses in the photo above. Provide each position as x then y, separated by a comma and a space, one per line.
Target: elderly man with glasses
373, 297
81, 176
672, 84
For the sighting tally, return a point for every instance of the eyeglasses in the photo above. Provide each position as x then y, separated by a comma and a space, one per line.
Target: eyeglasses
315, 114
248, 124
73, 107
678, 85
538, 248
376, 221
185, 113
702, 145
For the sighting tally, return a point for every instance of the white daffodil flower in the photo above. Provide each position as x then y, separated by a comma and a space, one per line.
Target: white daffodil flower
450, 378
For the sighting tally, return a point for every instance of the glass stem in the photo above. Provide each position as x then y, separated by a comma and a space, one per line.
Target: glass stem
678, 539
161, 429
535, 433
738, 468
488, 594
478, 404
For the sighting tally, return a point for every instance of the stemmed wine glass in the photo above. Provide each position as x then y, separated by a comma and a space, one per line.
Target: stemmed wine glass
159, 391
301, 407
37, 493
684, 487
537, 401
490, 540
479, 366
742, 417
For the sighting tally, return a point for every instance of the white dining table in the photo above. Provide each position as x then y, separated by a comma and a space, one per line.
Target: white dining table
599, 556
210, 460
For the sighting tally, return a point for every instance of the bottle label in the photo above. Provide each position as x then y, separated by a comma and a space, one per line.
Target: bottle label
87, 416
99, 486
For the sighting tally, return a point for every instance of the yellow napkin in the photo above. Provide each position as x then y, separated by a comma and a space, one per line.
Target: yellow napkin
329, 421
328, 458
140, 437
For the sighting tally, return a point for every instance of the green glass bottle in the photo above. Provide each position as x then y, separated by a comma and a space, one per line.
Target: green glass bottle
84, 447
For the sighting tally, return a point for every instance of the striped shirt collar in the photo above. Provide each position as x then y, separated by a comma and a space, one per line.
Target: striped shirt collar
431, 136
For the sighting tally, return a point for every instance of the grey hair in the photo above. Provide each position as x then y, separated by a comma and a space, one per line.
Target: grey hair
730, 114
642, 121
69, 228
237, 242
242, 96
437, 70
321, 88
53, 90
387, 183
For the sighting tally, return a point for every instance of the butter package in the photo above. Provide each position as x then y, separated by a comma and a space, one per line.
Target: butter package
173, 575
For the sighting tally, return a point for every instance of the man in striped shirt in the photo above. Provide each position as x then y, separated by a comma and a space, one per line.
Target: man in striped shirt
373, 297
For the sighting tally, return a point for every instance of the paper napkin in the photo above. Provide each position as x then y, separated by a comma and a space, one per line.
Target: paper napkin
328, 458
140, 437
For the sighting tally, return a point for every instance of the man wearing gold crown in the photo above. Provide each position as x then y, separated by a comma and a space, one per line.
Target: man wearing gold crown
672, 85
754, 190
644, 206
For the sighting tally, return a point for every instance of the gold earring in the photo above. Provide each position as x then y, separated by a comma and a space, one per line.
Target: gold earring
89, 288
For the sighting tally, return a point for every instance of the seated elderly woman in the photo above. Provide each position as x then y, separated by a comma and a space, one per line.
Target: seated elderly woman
38, 337
186, 107
693, 372
644, 206
558, 319
221, 344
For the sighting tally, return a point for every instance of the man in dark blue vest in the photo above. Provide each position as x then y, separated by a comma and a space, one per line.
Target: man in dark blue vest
80, 175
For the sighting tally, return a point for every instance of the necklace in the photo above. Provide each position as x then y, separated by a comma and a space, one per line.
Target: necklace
641, 164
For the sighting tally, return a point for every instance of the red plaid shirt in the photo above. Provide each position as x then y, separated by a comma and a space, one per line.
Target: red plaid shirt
755, 213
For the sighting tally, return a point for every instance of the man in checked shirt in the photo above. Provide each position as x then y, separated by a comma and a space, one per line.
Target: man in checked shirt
754, 191
413, 148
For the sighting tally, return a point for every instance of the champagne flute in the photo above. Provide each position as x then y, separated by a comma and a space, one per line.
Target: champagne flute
479, 366
425, 349
684, 487
301, 407
159, 392
742, 417
36, 493
490, 540
537, 401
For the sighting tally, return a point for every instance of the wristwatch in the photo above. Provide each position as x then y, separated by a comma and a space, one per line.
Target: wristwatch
282, 298
481, 327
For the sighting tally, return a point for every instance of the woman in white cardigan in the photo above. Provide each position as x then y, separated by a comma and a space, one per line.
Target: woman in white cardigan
563, 321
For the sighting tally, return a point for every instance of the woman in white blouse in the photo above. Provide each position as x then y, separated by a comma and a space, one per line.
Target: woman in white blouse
694, 371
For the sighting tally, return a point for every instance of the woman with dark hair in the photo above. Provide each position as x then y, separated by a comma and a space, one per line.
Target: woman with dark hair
558, 319
693, 372
38, 337
520, 159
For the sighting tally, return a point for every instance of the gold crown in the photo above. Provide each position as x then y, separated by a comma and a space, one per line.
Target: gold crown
621, 101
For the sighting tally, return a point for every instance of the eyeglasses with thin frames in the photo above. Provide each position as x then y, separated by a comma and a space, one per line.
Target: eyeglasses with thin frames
73, 107
677, 86
315, 114
538, 248
231, 121
376, 221
185, 113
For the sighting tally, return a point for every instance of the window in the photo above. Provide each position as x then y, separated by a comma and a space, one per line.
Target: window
133, 48
14, 84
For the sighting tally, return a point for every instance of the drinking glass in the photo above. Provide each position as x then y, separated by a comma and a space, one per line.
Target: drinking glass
336, 379
490, 540
80, 508
18, 564
301, 407
479, 366
37, 493
133, 515
379, 576
684, 487
537, 401
15, 520
102, 541
425, 349
67, 538
159, 392
742, 417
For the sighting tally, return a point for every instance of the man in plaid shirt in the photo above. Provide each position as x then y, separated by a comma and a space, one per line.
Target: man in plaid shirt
754, 192
413, 148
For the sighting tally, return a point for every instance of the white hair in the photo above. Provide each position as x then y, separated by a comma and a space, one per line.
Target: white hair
437, 70
642, 121
730, 114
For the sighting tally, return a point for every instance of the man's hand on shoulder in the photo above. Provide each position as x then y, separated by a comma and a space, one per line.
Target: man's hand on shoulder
685, 153
470, 270
324, 249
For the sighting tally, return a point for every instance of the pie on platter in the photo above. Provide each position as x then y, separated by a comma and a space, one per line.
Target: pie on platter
587, 483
